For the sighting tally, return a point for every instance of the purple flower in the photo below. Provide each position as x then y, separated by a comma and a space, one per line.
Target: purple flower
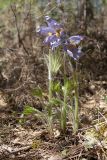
75, 53
58, 1
52, 23
53, 41
72, 47
44, 31
75, 39
55, 36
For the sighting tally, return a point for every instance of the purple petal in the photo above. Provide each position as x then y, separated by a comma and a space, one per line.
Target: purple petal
45, 30
58, 2
75, 39
70, 53
75, 53
52, 23
63, 37
50, 39
55, 44
53, 41
47, 40
47, 18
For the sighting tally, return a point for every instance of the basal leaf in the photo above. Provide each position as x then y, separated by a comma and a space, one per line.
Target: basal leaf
37, 92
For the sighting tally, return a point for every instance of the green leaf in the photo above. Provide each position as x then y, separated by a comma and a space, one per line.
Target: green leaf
105, 98
64, 152
56, 87
6, 3
56, 101
68, 86
28, 110
56, 62
37, 92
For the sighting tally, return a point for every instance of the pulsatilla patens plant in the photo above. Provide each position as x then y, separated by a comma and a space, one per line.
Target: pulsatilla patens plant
56, 38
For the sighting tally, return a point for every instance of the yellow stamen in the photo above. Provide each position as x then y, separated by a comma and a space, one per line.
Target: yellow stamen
49, 33
57, 34
72, 42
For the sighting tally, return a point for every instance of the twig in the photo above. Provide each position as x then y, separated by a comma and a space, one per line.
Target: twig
21, 149
15, 89
18, 32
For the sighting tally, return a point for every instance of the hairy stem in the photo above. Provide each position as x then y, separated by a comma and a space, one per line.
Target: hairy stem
76, 112
64, 109
63, 115
50, 92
